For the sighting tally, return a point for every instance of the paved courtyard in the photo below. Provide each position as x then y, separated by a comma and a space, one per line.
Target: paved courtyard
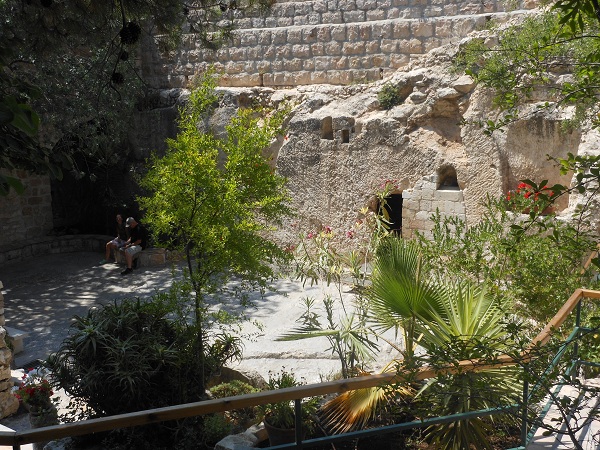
43, 294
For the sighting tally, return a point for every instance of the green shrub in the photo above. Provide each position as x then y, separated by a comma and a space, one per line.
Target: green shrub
239, 418
125, 357
281, 414
216, 427
389, 96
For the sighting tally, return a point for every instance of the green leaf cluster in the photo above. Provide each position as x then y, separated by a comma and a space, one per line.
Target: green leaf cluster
216, 199
390, 96
555, 53
72, 63
453, 320
535, 262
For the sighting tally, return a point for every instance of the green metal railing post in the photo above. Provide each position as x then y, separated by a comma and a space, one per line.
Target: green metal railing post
298, 420
576, 343
525, 406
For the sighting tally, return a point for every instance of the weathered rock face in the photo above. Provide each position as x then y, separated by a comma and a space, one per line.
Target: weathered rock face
340, 146
340, 143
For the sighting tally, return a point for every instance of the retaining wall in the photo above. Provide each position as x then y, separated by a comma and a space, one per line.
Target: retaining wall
325, 41
18, 250
29, 215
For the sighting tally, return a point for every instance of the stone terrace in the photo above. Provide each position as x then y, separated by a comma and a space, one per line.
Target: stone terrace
325, 41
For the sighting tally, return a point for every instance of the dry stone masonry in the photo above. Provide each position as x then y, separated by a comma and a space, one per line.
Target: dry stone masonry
325, 41
29, 215
425, 198
8, 402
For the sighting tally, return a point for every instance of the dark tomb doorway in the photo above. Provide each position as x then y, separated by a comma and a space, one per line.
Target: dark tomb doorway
393, 207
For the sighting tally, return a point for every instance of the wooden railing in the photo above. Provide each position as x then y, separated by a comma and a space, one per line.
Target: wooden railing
18, 438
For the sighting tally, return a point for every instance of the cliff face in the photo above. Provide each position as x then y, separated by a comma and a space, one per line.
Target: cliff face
431, 144
331, 58
341, 145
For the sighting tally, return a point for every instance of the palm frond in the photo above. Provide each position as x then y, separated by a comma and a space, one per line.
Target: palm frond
353, 409
306, 333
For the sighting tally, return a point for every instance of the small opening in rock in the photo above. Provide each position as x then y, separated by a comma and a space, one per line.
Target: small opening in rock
327, 129
345, 136
447, 179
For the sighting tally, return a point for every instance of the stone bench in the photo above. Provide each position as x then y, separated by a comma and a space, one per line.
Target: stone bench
151, 256
16, 251
69, 243
16, 338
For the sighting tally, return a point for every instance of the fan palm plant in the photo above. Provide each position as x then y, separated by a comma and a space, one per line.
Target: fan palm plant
450, 321
468, 325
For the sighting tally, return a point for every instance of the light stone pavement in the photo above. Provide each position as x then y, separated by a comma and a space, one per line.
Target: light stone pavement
44, 293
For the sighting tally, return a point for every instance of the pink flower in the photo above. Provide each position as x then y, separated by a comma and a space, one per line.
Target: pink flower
349, 234
328, 230
311, 235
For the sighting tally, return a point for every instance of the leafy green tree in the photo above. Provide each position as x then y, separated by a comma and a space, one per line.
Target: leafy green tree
73, 63
534, 261
552, 55
216, 199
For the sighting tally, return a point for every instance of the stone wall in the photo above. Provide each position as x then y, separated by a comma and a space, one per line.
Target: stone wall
19, 250
324, 41
8, 402
424, 199
29, 215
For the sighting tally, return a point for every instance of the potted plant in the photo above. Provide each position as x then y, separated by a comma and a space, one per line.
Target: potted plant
35, 393
279, 418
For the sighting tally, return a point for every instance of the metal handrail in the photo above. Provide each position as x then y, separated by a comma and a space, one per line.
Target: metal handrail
18, 438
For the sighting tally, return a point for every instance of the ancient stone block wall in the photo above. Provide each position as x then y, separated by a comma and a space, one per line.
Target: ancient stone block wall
28, 215
8, 402
424, 199
324, 41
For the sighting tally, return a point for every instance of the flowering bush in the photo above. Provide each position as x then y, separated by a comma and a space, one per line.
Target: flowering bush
529, 197
34, 390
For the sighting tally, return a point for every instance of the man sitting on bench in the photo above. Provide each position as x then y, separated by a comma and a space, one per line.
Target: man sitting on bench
138, 238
